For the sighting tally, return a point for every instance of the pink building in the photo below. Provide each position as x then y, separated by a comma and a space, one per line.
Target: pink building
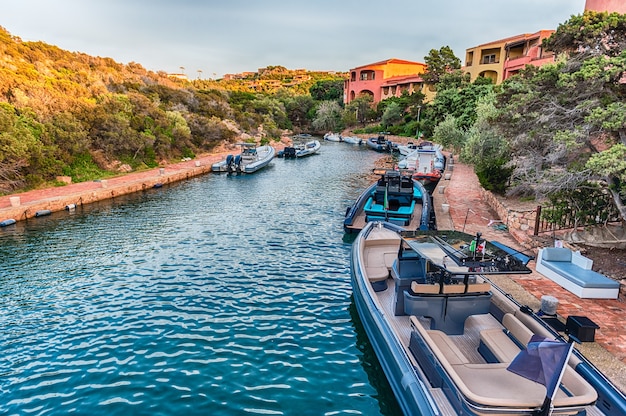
618, 6
526, 50
384, 79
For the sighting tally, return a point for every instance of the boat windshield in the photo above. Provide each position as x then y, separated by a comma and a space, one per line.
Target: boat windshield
462, 253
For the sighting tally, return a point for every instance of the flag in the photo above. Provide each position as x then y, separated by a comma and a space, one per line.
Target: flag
481, 247
543, 361
472, 246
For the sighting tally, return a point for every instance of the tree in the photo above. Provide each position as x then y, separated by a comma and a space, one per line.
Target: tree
449, 135
327, 90
392, 115
590, 34
18, 146
560, 116
440, 62
611, 164
457, 97
327, 117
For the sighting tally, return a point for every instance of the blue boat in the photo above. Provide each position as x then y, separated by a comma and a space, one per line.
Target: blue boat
451, 342
397, 198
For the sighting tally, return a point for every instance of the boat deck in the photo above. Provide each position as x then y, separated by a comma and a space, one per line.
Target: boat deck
359, 220
467, 342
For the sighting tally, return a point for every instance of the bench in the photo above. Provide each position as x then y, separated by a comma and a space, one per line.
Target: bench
492, 384
515, 253
379, 255
502, 346
572, 271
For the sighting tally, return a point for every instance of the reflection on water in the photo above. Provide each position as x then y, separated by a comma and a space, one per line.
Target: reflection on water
219, 295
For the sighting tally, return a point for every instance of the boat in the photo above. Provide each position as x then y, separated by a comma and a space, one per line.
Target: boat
333, 137
250, 160
427, 161
395, 197
379, 143
353, 140
406, 149
307, 149
450, 341
298, 150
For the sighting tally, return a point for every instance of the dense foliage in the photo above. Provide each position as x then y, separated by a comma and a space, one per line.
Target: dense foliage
565, 122
64, 113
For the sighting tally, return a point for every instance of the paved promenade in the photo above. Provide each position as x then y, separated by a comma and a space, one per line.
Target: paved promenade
467, 212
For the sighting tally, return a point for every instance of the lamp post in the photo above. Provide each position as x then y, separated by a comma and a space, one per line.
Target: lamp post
419, 110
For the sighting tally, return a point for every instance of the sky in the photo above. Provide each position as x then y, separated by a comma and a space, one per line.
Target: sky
210, 38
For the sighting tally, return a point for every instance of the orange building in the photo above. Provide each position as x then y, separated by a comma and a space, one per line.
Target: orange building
501, 59
384, 79
617, 6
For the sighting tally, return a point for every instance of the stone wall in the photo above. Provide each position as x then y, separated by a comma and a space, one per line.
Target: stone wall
519, 217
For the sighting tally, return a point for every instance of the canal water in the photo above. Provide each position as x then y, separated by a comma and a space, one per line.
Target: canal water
220, 295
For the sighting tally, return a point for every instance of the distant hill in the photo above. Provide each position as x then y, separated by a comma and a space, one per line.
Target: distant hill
69, 113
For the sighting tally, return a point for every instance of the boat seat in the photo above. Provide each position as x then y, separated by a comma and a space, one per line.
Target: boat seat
424, 288
478, 287
492, 384
505, 344
453, 288
379, 255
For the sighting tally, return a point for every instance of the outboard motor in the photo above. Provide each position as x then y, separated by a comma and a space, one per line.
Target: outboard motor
229, 163
237, 164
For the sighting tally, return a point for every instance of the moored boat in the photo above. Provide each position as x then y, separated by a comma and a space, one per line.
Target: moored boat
406, 149
307, 149
395, 197
427, 161
300, 149
352, 140
450, 341
379, 143
333, 137
250, 160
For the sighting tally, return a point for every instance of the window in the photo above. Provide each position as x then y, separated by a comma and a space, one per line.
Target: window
489, 59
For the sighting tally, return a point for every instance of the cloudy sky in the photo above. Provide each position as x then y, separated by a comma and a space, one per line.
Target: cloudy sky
209, 38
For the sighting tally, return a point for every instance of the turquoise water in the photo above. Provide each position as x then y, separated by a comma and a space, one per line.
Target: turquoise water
214, 296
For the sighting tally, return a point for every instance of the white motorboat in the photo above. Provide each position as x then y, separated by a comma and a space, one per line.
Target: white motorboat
251, 159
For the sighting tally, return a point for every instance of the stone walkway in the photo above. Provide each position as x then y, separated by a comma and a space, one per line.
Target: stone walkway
469, 213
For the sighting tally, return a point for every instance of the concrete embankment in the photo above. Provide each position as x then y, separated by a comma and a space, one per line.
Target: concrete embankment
25, 205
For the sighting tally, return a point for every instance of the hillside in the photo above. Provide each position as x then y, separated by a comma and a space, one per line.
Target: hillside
68, 113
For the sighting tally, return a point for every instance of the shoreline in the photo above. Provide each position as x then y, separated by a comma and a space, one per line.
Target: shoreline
59, 198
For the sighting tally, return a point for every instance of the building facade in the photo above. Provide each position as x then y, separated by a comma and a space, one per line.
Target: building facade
384, 79
501, 59
617, 6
